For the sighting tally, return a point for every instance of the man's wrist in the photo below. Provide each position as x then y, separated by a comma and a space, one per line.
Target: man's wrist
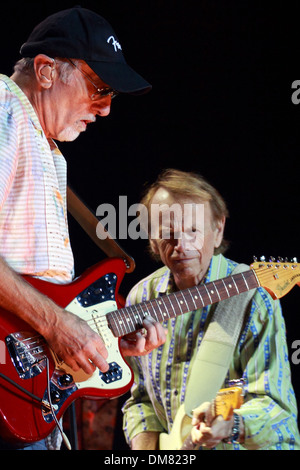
147, 440
235, 430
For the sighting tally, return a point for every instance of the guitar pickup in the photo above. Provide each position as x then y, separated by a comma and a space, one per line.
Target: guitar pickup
113, 374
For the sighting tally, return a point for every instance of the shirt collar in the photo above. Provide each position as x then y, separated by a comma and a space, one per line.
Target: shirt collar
16, 90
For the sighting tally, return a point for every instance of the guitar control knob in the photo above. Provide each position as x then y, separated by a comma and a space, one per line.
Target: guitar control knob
65, 380
55, 396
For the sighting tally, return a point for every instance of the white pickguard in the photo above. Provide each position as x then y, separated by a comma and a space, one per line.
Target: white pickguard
96, 318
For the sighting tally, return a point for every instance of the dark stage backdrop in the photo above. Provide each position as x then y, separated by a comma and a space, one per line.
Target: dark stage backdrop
221, 105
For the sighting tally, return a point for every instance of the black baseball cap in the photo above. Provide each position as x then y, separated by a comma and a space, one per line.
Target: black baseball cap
79, 33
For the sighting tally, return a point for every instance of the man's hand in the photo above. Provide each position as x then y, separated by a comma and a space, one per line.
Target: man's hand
76, 343
209, 431
144, 341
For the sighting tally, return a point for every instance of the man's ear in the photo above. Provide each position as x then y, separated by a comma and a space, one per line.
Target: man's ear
154, 247
44, 68
219, 231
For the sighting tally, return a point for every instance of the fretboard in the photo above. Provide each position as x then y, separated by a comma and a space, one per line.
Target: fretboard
129, 319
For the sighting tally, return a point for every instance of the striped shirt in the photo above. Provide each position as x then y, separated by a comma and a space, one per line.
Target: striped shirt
260, 358
34, 236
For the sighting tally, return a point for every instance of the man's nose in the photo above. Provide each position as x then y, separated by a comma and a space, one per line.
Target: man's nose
180, 242
102, 106
185, 242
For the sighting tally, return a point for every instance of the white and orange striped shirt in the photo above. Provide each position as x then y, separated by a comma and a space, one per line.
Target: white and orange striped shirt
34, 237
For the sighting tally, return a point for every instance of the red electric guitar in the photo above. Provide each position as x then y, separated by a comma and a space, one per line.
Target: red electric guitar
36, 387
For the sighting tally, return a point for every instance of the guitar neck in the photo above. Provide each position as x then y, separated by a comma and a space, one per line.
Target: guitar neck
129, 319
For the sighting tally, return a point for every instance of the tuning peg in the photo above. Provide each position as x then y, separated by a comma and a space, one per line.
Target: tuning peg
262, 258
272, 258
294, 260
280, 260
254, 258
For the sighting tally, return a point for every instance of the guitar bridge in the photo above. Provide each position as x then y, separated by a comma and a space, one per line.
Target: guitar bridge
27, 354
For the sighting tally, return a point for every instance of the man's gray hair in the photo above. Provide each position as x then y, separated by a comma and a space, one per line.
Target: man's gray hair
65, 68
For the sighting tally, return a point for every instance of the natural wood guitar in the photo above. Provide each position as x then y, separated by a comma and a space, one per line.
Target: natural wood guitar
224, 404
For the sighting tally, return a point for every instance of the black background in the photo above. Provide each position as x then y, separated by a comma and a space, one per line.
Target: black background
222, 75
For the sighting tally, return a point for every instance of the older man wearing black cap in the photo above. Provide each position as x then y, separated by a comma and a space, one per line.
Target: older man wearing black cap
72, 67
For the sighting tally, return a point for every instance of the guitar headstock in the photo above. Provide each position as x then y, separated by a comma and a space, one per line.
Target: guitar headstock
278, 277
228, 400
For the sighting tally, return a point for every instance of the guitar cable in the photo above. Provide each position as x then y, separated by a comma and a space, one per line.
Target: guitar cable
40, 400
63, 435
31, 395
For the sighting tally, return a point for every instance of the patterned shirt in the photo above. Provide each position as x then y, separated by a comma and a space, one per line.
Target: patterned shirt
269, 411
34, 235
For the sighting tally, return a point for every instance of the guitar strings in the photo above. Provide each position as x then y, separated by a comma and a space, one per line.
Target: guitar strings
36, 341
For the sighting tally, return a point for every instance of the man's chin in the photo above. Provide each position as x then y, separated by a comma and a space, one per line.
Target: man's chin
68, 135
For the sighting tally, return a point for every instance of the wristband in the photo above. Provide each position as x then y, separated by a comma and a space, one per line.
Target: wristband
235, 432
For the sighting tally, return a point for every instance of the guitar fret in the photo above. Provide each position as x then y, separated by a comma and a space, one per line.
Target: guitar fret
217, 291
129, 319
113, 317
226, 288
208, 293
142, 313
245, 281
192, 297
178, 304
158, 303
235, 285
119, 322
152, 308
137, 316
181, 302
122, 323
155, 314
204, 295
201, 298
148, 313
231, 284
171, 304
165, 313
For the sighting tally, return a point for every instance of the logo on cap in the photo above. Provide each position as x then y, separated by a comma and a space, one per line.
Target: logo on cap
115, 43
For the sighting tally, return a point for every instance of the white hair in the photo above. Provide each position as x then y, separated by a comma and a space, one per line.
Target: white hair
65, 68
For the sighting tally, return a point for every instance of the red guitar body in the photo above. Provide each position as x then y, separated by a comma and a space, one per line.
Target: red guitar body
22, 357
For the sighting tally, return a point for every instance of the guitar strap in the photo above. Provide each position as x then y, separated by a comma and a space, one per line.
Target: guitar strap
216, 349
92, 226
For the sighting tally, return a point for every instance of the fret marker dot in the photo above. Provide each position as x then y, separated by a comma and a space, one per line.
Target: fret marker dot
211, 291
181, 301
230, 286
196, 296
